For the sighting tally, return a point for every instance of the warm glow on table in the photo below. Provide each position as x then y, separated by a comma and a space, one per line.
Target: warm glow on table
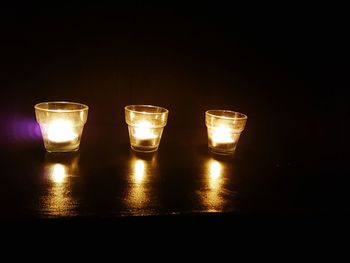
212, 193
140, 171
214, 170
61, 131
58, 173
143, 131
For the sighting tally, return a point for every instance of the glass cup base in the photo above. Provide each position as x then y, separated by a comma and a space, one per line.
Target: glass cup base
220, 151
62, 150
144, 149
62, 147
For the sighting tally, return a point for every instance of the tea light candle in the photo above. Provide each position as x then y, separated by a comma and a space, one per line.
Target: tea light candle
61, 124
144, 135
145, 124
222, 135
224, 129
61, 131
143, 131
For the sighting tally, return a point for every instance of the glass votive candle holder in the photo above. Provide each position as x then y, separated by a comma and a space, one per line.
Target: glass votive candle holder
146, 124
224, 129
61, 124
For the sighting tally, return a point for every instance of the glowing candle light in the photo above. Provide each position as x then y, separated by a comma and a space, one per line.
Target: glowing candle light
222, 134
61, 131
145, 124
143, 131
61, 124
224, 129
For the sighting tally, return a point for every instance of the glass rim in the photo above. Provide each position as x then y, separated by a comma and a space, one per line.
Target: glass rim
38, 106
242, 116
164, 110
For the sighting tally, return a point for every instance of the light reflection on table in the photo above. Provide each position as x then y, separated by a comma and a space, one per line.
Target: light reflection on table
142, 169
214, 194
59, 169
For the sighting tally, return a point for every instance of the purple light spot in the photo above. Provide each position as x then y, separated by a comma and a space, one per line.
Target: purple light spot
18, 128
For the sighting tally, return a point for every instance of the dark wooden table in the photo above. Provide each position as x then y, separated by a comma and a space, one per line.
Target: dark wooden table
106, 179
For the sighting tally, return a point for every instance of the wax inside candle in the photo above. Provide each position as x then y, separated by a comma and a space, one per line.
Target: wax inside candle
61, 131
143, 131
222, 134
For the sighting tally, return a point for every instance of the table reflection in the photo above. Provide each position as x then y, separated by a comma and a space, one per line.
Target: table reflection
59, 169
57, 172
214, 173
214, 194
142, 168
139, 171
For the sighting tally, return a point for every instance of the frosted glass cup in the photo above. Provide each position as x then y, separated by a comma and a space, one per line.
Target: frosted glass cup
145, 124
224, 129
61, 124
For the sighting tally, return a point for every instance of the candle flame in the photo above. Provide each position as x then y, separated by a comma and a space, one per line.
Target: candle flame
143, 130
61, 131
222, 134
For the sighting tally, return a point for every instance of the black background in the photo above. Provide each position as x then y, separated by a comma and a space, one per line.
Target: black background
279, 64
